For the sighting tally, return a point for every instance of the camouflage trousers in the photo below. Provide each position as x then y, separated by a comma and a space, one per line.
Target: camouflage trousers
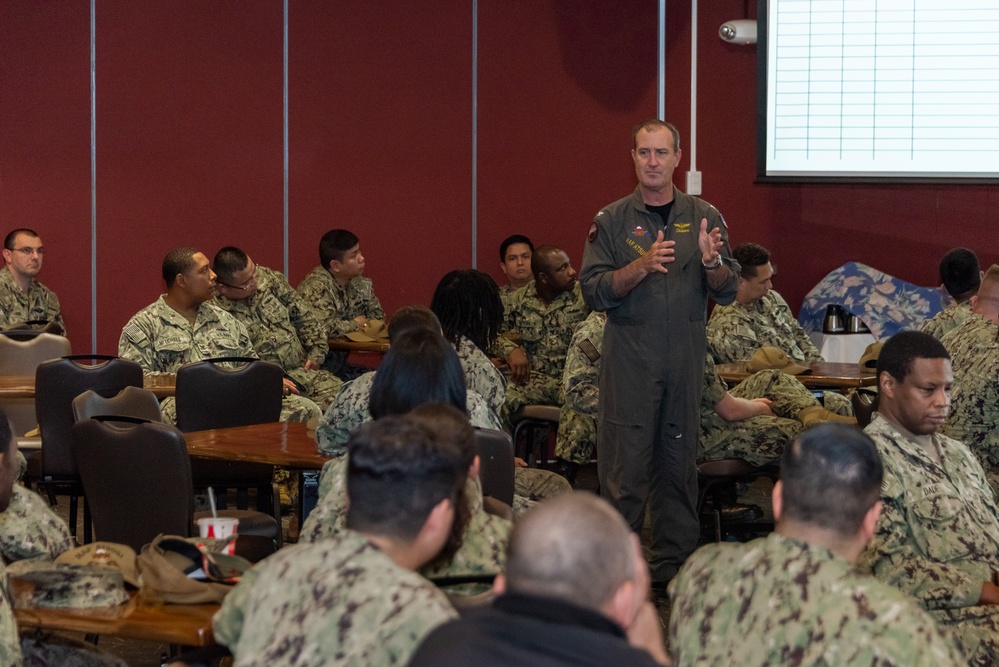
833, 401
789, 396
30, 529
320, 386
533, 485
39, 651
538, 390
293, 409
577, 436
976, 631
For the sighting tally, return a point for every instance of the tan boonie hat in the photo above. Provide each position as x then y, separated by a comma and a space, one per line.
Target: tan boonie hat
767, 358
370, 332
870, 357
120, 557
64, 585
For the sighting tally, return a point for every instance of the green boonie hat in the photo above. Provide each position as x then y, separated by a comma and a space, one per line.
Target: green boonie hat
371, 331
767, 358
64, 585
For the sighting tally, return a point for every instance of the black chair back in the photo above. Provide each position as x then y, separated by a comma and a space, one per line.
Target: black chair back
495, 463
57, 383
212, 396
137, 478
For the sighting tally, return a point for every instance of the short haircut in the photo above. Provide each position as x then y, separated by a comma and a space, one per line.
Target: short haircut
903, 348
228, 261
510, 240
543, 258
467, 303
397, 472
651, 125
333, 244
8, 242
575, 547
831, 476
960, 273
420, 367
412, 317
6, 433
750, 256
177, 261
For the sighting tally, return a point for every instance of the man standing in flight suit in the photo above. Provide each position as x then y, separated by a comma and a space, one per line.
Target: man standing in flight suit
651, 261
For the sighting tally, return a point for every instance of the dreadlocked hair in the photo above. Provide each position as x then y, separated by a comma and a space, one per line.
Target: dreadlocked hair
467, 302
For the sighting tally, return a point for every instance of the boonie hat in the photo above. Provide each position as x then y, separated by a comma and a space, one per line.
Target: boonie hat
767, 358
371, 331
870, 357
64, 585
120, 557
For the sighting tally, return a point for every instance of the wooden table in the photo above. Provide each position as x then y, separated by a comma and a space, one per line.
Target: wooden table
184, 624
285, 444
346, 345
23, 386
824, 375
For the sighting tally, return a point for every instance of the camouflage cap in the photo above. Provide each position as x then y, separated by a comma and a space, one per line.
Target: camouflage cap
767, 358
66, 585
870, 357
120, 557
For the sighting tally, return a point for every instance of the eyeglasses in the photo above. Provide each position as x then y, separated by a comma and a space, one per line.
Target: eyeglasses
245, 286
28, 252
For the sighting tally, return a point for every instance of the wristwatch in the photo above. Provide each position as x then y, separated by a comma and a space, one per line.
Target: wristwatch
709, 267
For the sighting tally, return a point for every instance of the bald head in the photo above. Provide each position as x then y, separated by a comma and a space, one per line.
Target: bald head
574, 547
987, 301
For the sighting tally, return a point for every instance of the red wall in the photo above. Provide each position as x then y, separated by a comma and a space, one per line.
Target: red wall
189, 146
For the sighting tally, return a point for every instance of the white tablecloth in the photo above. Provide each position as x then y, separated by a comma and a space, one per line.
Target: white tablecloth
844, 348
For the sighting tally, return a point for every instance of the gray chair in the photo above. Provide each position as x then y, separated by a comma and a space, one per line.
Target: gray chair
717, 479
533, 421
137, 476
496, 467
129, 402
21, 357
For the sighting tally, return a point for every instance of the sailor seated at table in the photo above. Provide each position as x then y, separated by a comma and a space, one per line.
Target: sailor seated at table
759, 317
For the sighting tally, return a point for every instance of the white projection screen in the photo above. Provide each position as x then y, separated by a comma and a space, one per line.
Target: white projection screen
878, 90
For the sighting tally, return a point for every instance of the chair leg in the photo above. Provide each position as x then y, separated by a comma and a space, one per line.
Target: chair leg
73, 504
88, 526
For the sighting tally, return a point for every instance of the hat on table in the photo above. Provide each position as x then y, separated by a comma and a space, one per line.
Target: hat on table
870, 357
767, 358
120, 557
371, 331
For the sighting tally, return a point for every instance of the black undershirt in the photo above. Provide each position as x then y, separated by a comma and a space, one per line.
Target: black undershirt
661, 211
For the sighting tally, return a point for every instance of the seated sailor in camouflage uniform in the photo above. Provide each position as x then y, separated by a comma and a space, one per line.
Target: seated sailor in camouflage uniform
41, 542
760, 317
342, 298
483, 544
468, 306
355, 598
543, 315
282, 326
515, 262
794, 597
22, 297
938, 536
421, 367
974, 354
960, 277
753, 421
184, 326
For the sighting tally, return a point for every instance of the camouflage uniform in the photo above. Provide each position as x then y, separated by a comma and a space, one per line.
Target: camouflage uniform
938, 536
336, 307
29, 529
482, 376
161, 340
736, 331
577, 424
759, 440
350, 410
947, 319
974, 398
545, 334
779, 601
482, 551
340, 601
284, 329
39, 303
